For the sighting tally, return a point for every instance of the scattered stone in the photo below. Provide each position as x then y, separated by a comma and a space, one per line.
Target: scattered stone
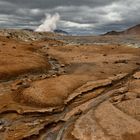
54, 75
121, 61
62, 65
105, 62
44, 76
104, 54
14, 47
137, 63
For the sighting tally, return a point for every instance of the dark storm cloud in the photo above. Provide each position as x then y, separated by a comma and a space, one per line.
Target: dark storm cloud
43, 4
91, 16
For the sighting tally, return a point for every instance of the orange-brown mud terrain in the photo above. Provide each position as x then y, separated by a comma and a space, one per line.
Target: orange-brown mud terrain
56, 87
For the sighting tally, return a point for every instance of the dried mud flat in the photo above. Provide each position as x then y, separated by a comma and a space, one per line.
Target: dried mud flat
51, 89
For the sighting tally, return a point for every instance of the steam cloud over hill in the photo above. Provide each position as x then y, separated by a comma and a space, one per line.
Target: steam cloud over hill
49, 24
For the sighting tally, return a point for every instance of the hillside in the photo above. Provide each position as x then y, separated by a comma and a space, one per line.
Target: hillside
135, 30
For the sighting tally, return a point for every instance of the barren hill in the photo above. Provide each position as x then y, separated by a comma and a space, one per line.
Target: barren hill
135, 30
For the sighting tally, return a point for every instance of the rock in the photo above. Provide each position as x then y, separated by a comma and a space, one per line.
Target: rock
130, 95
137, 63
62, 65
121, 61
117, 99
130, 107
42, 93
116, 122
104, 54
44, 76
89, 86
118, 77
2, 129
137, 75
20, 84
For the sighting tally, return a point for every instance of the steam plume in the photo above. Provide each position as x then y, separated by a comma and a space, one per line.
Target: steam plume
49, 24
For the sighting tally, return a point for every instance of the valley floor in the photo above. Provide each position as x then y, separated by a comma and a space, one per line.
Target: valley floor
66, 88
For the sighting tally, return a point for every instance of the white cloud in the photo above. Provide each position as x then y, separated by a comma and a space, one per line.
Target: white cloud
30, 12
77, 25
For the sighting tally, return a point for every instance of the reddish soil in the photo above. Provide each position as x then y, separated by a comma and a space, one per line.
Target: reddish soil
51, 89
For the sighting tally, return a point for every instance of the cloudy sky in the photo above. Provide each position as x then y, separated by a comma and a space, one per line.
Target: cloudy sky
77, 16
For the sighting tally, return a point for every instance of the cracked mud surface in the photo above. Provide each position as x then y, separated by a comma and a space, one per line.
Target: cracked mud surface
53, 91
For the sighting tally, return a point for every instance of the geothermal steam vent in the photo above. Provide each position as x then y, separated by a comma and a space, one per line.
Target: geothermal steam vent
49, 24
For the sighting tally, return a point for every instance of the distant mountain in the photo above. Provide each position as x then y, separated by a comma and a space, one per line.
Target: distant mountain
61, 32
26, 29
135, 30
112, 33
55, 31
